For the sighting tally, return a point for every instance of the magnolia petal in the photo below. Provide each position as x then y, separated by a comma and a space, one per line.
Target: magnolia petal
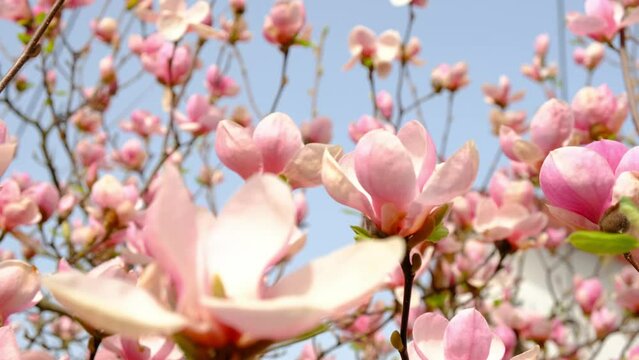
278, 139
388, 45
400, 2
360, 38
172, 26
579, 180
235, 149
197, 12
467, 337
305, 169
20, 288
251, 233
8, 344
428, 336
629, 161
207, 32
551, 125
323, 289
421, 148
171, 235
113, 305
631, 19
7, 151
612, 151
571, 219
583, 25
341, 188
452, 178
497, 349
531, 354
507, 139
384, 168
528, 152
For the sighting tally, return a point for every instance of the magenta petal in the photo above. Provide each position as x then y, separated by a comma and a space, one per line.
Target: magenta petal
579, 180
551, 125
235, 149
629, 161
612, 151
421, 149
384, 168
467, 337
278, 139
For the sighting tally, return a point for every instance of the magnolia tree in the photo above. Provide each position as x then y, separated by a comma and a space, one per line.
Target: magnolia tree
120, 250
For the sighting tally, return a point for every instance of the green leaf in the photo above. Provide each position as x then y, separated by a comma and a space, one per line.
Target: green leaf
49, 48
348, 211
439, 233
24, 38
303, 42
40, 17
601, 243
437, 300
361, 233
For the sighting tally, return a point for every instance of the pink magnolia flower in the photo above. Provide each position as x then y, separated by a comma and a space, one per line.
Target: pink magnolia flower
90, 153
201, 117
143, 123
7, 147
20, 288
131, 155
16, 208
284, 22
393, 179
318, 130
275, 147
590, 57
466, 336
598, 112
156, 60
365, 124
106, 29
604, 321
515, 120
175, 19
451, 78
216, 296
145, 348
500, 95
627, 289
550, 128
87, 119
15, 10
109, 194
301, 207
511, 221
218, 84
602, 20
384, 102
503, 189
581, 201
542, 43
373, 52
410, 52
588, 293
46, 197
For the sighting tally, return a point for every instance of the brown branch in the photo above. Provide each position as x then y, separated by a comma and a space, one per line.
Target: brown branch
30, 49
627, 77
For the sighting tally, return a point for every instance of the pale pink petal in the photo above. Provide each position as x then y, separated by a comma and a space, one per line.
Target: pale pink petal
236, 149
361, 39
172, 26
20, 287
421, 148
250, 234
571, 219
531, 354
388, 45
171, 235
400, 2
384, 168
507, 139
452, 178
428, 336
7, 151
323, 289
579, 180
8, 344
467, 337
304, 170
197, 12
631, 19
278, 139
584, 25
341, 188
528, 152
497, 349
629, 161
612, 151
112, 305
173, 6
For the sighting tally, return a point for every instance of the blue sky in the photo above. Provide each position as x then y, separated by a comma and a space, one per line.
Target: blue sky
494, 37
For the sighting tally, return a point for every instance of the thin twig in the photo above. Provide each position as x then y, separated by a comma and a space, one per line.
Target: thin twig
319, 71
30, 49
449, 121
627, 77
402, 68
247, 83
283, 80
